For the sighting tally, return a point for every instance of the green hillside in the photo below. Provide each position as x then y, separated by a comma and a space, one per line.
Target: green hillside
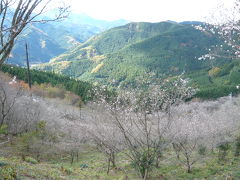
167, 54
120, 55
115, 39
217, 81
119, 37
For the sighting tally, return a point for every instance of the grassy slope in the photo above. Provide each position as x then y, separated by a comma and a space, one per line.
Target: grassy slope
207, 167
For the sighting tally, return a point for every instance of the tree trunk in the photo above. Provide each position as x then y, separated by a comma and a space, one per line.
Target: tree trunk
72, 157
108, 168
77, 157
146, 174
113, 160
28, 67
157, 162
188, 165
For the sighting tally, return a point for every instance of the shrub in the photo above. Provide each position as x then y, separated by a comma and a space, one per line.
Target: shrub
237, 148
223, 150
8, 173
3, 164
24, 143
73, 99
31, 160
3, 129
226, 69
234, 77
202, 150
214, 72
143, 163
54, 92
66, 170
83, 165
216, 92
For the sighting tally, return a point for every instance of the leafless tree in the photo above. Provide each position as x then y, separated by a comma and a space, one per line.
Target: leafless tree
16, 15
203, 124
143, 118
101, 130
26, 115
74, 140
8, 97
186, 151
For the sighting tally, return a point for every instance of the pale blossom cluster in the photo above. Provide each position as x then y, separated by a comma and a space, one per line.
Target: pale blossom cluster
225, 23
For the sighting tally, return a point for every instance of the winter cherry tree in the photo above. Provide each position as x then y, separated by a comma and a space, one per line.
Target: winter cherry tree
224, 22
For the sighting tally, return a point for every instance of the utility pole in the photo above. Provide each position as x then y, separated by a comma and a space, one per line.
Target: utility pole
28, 67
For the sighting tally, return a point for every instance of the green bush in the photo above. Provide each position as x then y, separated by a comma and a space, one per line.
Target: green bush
143, 163
237, 148
214, 72
8, 173
3, 129
3, 164
202, 150
226, 69
67, 171
234, 77
223, 150
83, 165
31, 160
214, 92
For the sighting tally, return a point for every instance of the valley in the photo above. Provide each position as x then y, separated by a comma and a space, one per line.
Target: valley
117, 99
59, 139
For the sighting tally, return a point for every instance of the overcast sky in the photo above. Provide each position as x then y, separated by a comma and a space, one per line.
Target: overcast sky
146, 10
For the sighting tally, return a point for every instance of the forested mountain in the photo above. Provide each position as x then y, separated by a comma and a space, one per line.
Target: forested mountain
54, 38
120, 55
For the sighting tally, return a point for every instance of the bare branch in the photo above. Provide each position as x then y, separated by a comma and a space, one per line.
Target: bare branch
24, 14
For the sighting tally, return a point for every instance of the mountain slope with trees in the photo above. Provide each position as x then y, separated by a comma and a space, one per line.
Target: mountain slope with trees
80, 88
121, 55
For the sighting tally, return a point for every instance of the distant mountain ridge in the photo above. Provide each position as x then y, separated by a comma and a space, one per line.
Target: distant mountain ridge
192, 22
52, 39
120, 55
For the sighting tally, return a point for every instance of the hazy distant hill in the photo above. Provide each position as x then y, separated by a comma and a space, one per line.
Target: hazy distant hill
119, 55
51, 39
